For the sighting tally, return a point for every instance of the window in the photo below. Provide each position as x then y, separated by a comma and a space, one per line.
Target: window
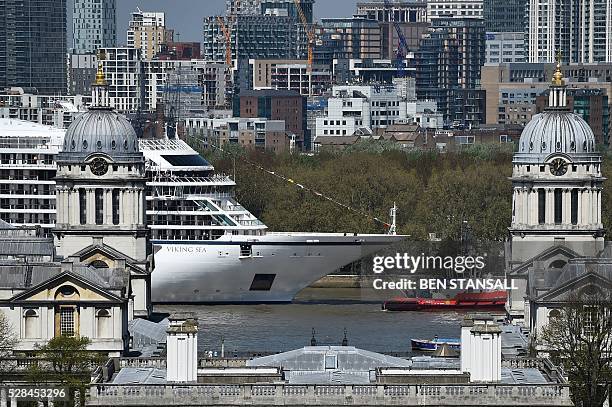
67, 321
31, 323
331, 362
116, 207
103, 323
99, 206
574, 206
541, 206
83, 206
558, 206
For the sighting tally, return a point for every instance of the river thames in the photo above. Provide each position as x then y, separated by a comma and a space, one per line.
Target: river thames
283, 327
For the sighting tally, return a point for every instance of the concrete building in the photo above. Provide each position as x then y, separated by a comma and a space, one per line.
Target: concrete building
358, 37
250, 133
82, 70
179, 50
285, 105
505, 16
147, 31
124, 73
448, 68
512, 90
254, 37
33, 45
505, 47
47, 110
290, 75
580, 30
94, 25
403, 11
455, 9
269, 7
355, 109
371, 70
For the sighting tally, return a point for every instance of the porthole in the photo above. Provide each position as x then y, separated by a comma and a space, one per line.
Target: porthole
99, 144
84, 144
125, 144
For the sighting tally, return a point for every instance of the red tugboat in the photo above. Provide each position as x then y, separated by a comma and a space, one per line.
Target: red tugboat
490, 300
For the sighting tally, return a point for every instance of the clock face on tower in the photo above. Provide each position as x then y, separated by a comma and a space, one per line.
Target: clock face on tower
98, 166
558, 167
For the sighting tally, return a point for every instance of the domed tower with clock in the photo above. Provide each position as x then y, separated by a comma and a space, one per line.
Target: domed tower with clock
101, 183
557, 187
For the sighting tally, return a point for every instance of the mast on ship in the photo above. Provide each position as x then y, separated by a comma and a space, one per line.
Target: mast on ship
393, 214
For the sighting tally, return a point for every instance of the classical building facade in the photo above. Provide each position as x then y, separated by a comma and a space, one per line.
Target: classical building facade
556, 232
93, 276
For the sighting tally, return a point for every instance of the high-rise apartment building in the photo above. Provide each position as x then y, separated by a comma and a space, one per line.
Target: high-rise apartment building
505, 15
253, 37
33, 45
455, 9
353, 37
581, 30
282, 8
94, 25
147, 31
404, 11
448, 69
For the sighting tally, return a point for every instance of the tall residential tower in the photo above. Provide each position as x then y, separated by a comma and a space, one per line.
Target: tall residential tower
94, 25
33, 45
580, 29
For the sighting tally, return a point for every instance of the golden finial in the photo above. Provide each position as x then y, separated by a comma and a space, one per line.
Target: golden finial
558, 75
100, 79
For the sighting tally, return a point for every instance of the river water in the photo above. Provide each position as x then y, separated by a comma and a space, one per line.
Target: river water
283, 327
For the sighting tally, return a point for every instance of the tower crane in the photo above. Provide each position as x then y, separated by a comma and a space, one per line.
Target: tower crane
311, 41
403, 44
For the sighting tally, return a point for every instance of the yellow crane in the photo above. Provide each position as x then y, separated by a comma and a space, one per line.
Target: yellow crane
228, 41
311, 41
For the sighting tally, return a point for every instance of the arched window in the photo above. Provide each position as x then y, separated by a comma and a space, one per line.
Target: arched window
82, 206
557, 264
555, 313
66, 292
104, 323
31, 323
541, 206
99, 264
116, 207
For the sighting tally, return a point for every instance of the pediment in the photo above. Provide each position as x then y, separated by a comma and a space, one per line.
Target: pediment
589, 285
66, 287
107, 257
547, 257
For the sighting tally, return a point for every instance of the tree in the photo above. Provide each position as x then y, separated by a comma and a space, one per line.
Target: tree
580, 338
66, 361
7, 342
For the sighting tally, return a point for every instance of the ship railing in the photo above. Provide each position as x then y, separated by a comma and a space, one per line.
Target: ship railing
169, 180
255, 222
313, 395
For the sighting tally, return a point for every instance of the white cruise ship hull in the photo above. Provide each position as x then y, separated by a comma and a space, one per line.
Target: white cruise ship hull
280, 265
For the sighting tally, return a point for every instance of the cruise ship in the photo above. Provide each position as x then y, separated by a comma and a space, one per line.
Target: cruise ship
208, 248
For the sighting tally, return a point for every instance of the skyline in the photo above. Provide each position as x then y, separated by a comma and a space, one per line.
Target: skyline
185, 16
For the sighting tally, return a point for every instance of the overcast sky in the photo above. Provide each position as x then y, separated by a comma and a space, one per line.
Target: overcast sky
185, 16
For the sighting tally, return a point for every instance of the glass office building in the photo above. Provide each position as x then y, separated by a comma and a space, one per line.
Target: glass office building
33, 45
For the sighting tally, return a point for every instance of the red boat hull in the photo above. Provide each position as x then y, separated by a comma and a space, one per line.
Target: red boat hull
493, 300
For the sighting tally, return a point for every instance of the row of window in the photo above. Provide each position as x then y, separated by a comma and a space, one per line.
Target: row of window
98, 206
558, 206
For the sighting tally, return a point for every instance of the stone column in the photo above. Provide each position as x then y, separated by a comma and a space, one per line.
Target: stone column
598, 211
108, 206
567, 206
526, 193
550, 206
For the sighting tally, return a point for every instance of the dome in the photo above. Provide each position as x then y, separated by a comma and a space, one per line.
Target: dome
101, 131
558, 131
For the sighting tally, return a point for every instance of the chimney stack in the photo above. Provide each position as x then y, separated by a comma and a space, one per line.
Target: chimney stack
481, 348
182, 348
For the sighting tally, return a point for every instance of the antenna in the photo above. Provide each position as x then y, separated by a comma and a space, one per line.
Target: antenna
393, 214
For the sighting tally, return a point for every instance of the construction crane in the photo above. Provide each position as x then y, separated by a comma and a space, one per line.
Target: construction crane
227, 34
403, 44
311, 42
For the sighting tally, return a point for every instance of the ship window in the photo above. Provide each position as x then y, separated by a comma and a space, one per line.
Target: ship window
82, 206
331, 362
246, 250
99, 207
541, 206
191, 160
558, 206
115, 206
574, 206
262, 282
